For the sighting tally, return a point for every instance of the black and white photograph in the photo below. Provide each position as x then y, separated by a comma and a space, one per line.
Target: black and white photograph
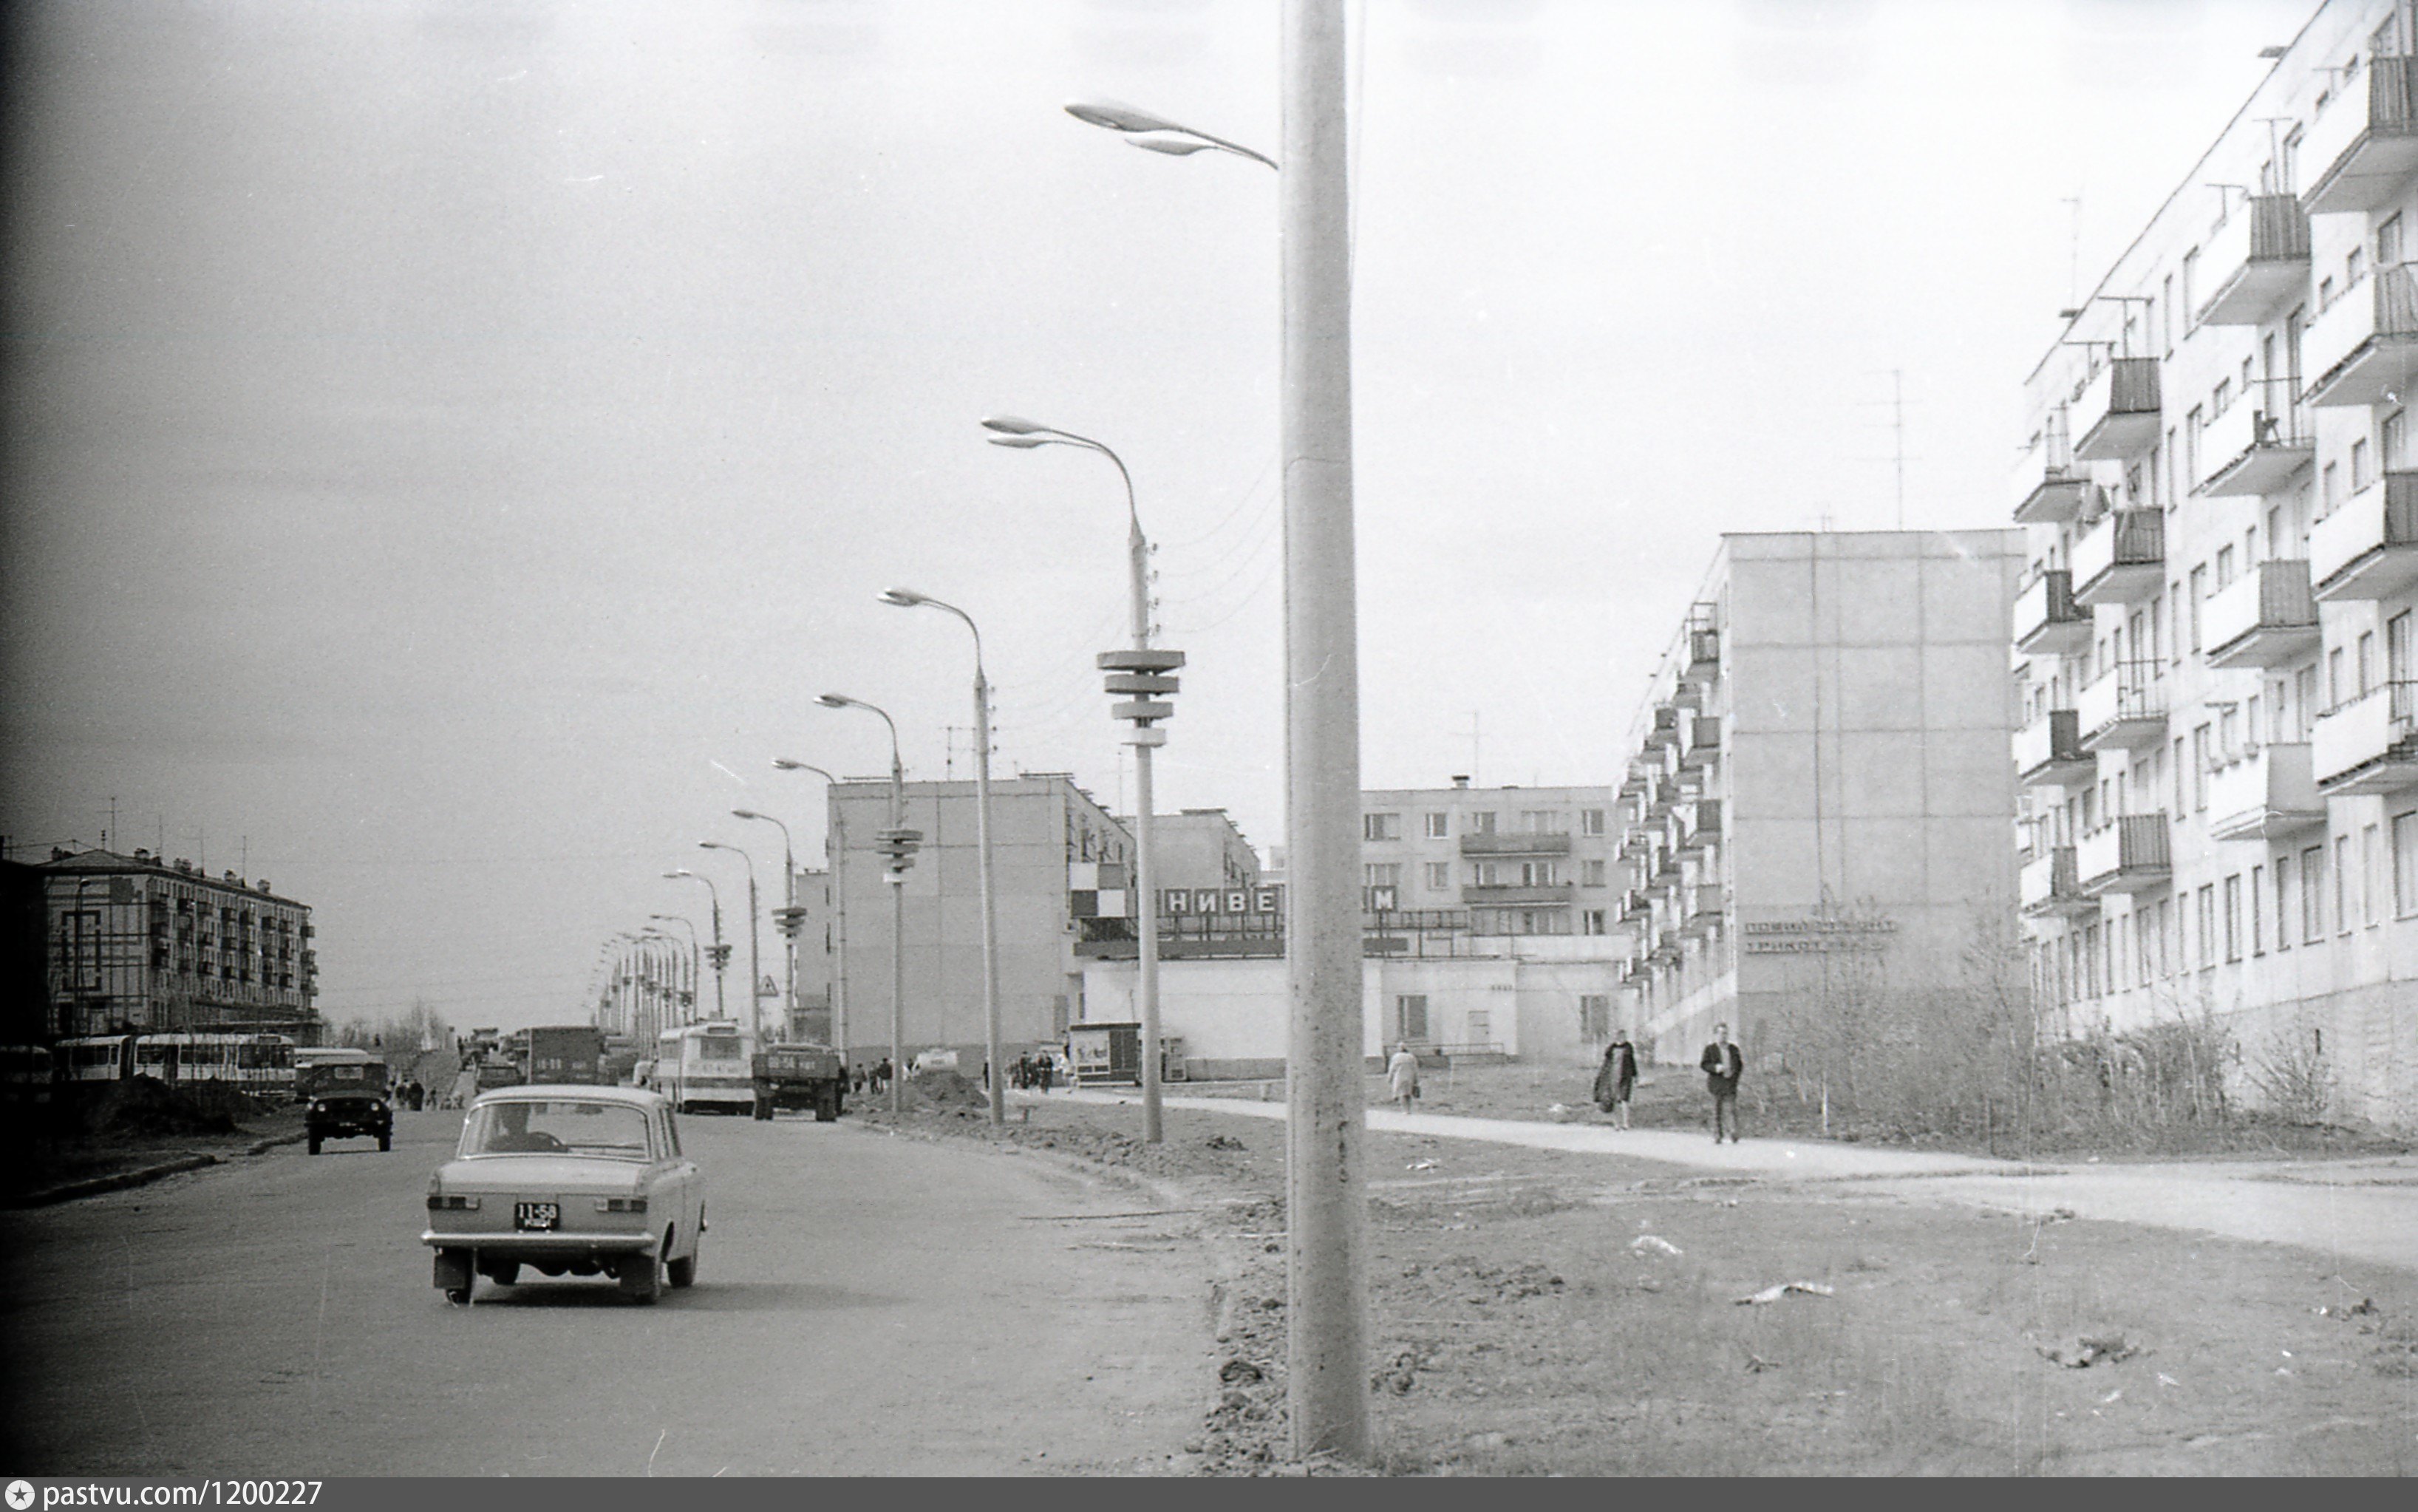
1201, 739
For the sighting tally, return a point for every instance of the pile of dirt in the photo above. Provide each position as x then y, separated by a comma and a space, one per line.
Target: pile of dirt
942, 1092
145, 1106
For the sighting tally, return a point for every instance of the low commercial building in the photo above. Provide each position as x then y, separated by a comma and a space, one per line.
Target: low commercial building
1816, 796
137, 942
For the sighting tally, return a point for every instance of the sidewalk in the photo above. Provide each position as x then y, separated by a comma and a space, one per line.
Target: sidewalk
2365, 1210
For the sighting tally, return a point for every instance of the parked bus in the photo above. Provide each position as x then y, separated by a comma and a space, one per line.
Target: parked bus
707, 1067
258, 1063
25, 1074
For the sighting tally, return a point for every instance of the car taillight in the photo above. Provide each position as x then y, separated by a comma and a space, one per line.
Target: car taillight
621, 1204
452, 1204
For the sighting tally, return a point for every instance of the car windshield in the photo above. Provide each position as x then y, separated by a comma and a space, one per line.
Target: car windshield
520, 1126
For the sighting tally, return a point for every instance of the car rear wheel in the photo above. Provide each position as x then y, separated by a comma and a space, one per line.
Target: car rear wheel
763, 1110
642, 1276
386, 1138
682, 1271
314, 1144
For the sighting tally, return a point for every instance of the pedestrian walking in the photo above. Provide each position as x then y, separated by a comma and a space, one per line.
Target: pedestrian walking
1047, 1071
1618, 1077
1402, 1077
1723, 1063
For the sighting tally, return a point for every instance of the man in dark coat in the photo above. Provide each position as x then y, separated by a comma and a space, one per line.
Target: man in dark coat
1617, 1078
1723, 1063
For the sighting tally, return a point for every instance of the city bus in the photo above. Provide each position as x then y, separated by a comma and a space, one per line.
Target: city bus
706, 1067
258, 1063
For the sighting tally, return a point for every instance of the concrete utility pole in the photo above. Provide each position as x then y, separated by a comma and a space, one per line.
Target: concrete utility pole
1326, 1372
835, 857
755, 941
721, 952
900, 844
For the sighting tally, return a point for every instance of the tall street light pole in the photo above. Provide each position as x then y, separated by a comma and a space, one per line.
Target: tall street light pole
789, 917
754, 940
995, 1075
1143, 677
835, 853
684, 922
721, 952
1326, 1385
900, 843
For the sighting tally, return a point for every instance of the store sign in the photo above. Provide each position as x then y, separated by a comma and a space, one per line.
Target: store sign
1816, 937
1174, 901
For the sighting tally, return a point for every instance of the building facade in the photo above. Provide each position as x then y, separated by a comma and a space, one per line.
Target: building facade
2214, 642
1818, 780
1059, 860
137, 942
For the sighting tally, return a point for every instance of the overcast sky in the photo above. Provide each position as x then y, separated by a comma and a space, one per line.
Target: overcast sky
450, 445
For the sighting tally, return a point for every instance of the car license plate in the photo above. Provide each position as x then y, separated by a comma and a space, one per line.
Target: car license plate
536, 1214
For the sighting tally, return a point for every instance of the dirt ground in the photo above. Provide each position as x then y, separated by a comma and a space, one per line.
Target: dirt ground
38, 1154
1528, 1318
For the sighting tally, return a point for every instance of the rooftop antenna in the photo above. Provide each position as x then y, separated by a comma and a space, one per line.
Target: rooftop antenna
2074, 249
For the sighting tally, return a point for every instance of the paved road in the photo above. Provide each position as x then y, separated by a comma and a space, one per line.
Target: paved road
866, 1303
2363, 1210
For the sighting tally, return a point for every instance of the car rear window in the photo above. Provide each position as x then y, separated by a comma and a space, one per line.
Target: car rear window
520, 1126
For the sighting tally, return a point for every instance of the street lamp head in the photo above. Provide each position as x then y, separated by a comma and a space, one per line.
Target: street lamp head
745, 814
903, 598
785, 764
1114, 117
680, 871
714, 845
837, 700
1174, 146
1021, 443
1014, 426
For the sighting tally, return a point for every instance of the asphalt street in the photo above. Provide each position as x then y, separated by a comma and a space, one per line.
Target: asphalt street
866, 1303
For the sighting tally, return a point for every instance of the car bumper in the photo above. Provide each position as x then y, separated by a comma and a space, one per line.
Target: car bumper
543, 1244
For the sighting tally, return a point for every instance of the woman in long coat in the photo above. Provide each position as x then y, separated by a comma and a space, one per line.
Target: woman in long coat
1402, 1077
1618, 1077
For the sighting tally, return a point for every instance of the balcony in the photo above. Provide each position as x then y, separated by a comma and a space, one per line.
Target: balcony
1665, 727
2271, 791
1701, 910
1704, 654
2364, 345
2365, 142
1700, 742
2125, 710
1519, 842
2264, 617
2121, 558
2257, 444
2369, 548
2116, 415
2049, 483
2049, 752
2256, 260
1704, 829
2368, 746
2127, 855
2047, 620
2048, 884
1635, 906
1510, 894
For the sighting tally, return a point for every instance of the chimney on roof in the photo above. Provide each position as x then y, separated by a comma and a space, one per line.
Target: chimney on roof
1460, 779
141, 854
184, 865
262, 884
59, 853
231, 876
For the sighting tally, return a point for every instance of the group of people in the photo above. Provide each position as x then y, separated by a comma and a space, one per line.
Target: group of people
1032, 1073
411, 1094
873, 1079
1722, 1063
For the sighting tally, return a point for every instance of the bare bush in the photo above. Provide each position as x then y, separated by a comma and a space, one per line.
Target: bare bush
2292, 1075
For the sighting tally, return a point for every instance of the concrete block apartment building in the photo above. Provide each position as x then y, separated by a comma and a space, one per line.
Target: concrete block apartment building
2219, 754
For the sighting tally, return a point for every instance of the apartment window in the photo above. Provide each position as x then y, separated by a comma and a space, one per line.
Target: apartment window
2313, 894
1411, 1016
1439, 876
2397, 648
2220, 399
2199, 770
2190, 278
2325, 293
2180, 810
2257, 911
2284, 902
2366, 651
2354, 268
1595, 1017
2198, 592
1592, 873
1439, 826
2233, 917
2191, 448
1590, 822
2170, 327
2371, 875
2361, 475
2223, 566
2388, 243
1544, 822
2207, 925
2334, 679
1382, 874
2328, 490
1381, 827
1593, 923
2405, 864
1489, 874
1482, 823
2342, 884
1540, 873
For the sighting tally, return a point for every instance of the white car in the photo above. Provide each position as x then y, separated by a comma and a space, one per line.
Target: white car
578, 1180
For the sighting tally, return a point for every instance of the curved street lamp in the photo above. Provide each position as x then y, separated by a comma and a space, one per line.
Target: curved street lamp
755, 941
788, 906
898, 878
995, 1073
721, 1003
835, 853
1155, 133
689, 925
